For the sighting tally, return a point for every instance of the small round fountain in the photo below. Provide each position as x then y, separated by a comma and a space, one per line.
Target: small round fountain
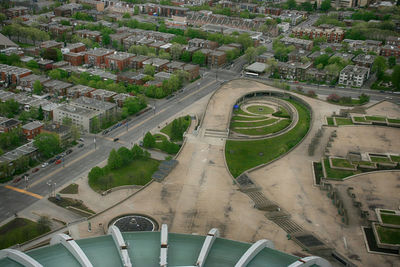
135, 223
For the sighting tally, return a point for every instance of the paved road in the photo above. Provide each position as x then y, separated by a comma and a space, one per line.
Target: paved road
83, 159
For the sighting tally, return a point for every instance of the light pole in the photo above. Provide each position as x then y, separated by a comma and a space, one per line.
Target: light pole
94, 141
50, 189
54, 188
26, 181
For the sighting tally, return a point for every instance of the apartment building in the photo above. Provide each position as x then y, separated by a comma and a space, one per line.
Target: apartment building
96, 57
353, 75
332, 34
298, 43
118, 61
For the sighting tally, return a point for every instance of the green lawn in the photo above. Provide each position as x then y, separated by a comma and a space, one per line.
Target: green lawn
394, 120
359, 119
341, 163
19, 231
375, 118
388, 211
283, 113
262, 110
366, 163
160, 137
379, 159
139, 172
336, 174
343, 121
388, 235
243, 155
241, 112
71, 189
395, 158
390, 218
330, 121
168, 129
265, 130
266, 121
253, 118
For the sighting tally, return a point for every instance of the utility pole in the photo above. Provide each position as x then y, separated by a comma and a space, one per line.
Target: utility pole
94, 141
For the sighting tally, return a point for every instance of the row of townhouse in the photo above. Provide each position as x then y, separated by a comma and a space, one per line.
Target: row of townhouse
332, 34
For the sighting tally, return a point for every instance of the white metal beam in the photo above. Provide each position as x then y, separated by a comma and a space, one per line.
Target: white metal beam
121, 246
311, 260
253, 251
208, 242
19, 257
72, 247
164, 246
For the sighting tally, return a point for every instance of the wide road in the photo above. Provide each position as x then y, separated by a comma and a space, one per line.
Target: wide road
16, 197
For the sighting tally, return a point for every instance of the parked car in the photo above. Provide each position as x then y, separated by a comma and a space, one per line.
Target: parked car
35, 170
16, 180
69, 151
81, 139
45, 164
80, 145
58, 161
52, 161
116, 139
58, 157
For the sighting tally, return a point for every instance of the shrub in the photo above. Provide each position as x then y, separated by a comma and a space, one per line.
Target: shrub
333, 98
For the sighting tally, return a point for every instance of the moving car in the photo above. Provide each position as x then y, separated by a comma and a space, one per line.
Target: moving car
116, 139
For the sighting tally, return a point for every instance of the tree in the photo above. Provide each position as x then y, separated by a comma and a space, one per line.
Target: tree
186, 57
32, 64
136, 10
245, 40
291, 4
307, 6
137, 152
199, 58
67, 121
95, 125
47, 144
75, 132
322, 59
126, 16
392, 61
396, 77
114, 160
105, 39
132, 105
2, 18
40, 115
379, 66
95, 173
43, 224
176, 51
149, 141
326, 5
149, 70
37, 88
363, 98
250, 54
126, 155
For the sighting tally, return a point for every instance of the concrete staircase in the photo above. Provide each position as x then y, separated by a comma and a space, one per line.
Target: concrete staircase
216, 133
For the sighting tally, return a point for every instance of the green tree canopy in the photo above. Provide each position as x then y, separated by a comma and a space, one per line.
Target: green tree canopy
396, 77
37, 87
149, 141
379, 66
114, 160
47, 144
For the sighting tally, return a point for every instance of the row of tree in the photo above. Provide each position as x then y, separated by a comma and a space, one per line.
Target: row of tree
25, 33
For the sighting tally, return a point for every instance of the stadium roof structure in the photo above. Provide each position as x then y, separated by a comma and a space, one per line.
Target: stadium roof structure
154, 249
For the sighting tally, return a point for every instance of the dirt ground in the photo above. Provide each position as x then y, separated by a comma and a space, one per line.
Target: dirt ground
385, 108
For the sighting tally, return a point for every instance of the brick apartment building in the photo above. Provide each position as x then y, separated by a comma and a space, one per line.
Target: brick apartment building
92, 35
67, 10
118, 61
17, 11
332, 34
390, 50
96, 57
75, 59
12, 75
76, 47
32, 129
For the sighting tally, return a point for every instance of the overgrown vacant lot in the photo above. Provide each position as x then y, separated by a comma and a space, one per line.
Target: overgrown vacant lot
243, 155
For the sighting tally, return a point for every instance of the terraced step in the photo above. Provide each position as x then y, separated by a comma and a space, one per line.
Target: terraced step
288, 225
216, 133
261, 202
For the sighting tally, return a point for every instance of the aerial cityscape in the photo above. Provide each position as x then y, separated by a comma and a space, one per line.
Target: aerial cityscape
199, 133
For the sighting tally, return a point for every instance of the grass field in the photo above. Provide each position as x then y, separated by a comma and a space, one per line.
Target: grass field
19, 231
359, 119
283, 113
395, 158
341, 163
139, 172
243, 155
241, 112
366, 163
71, 189
266, 121
394, 120
388, 235
330, 121
343, 121
262, 110
380, 159
375, 118
337, 174
265, 130
390, 219
242, 118
185, 122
